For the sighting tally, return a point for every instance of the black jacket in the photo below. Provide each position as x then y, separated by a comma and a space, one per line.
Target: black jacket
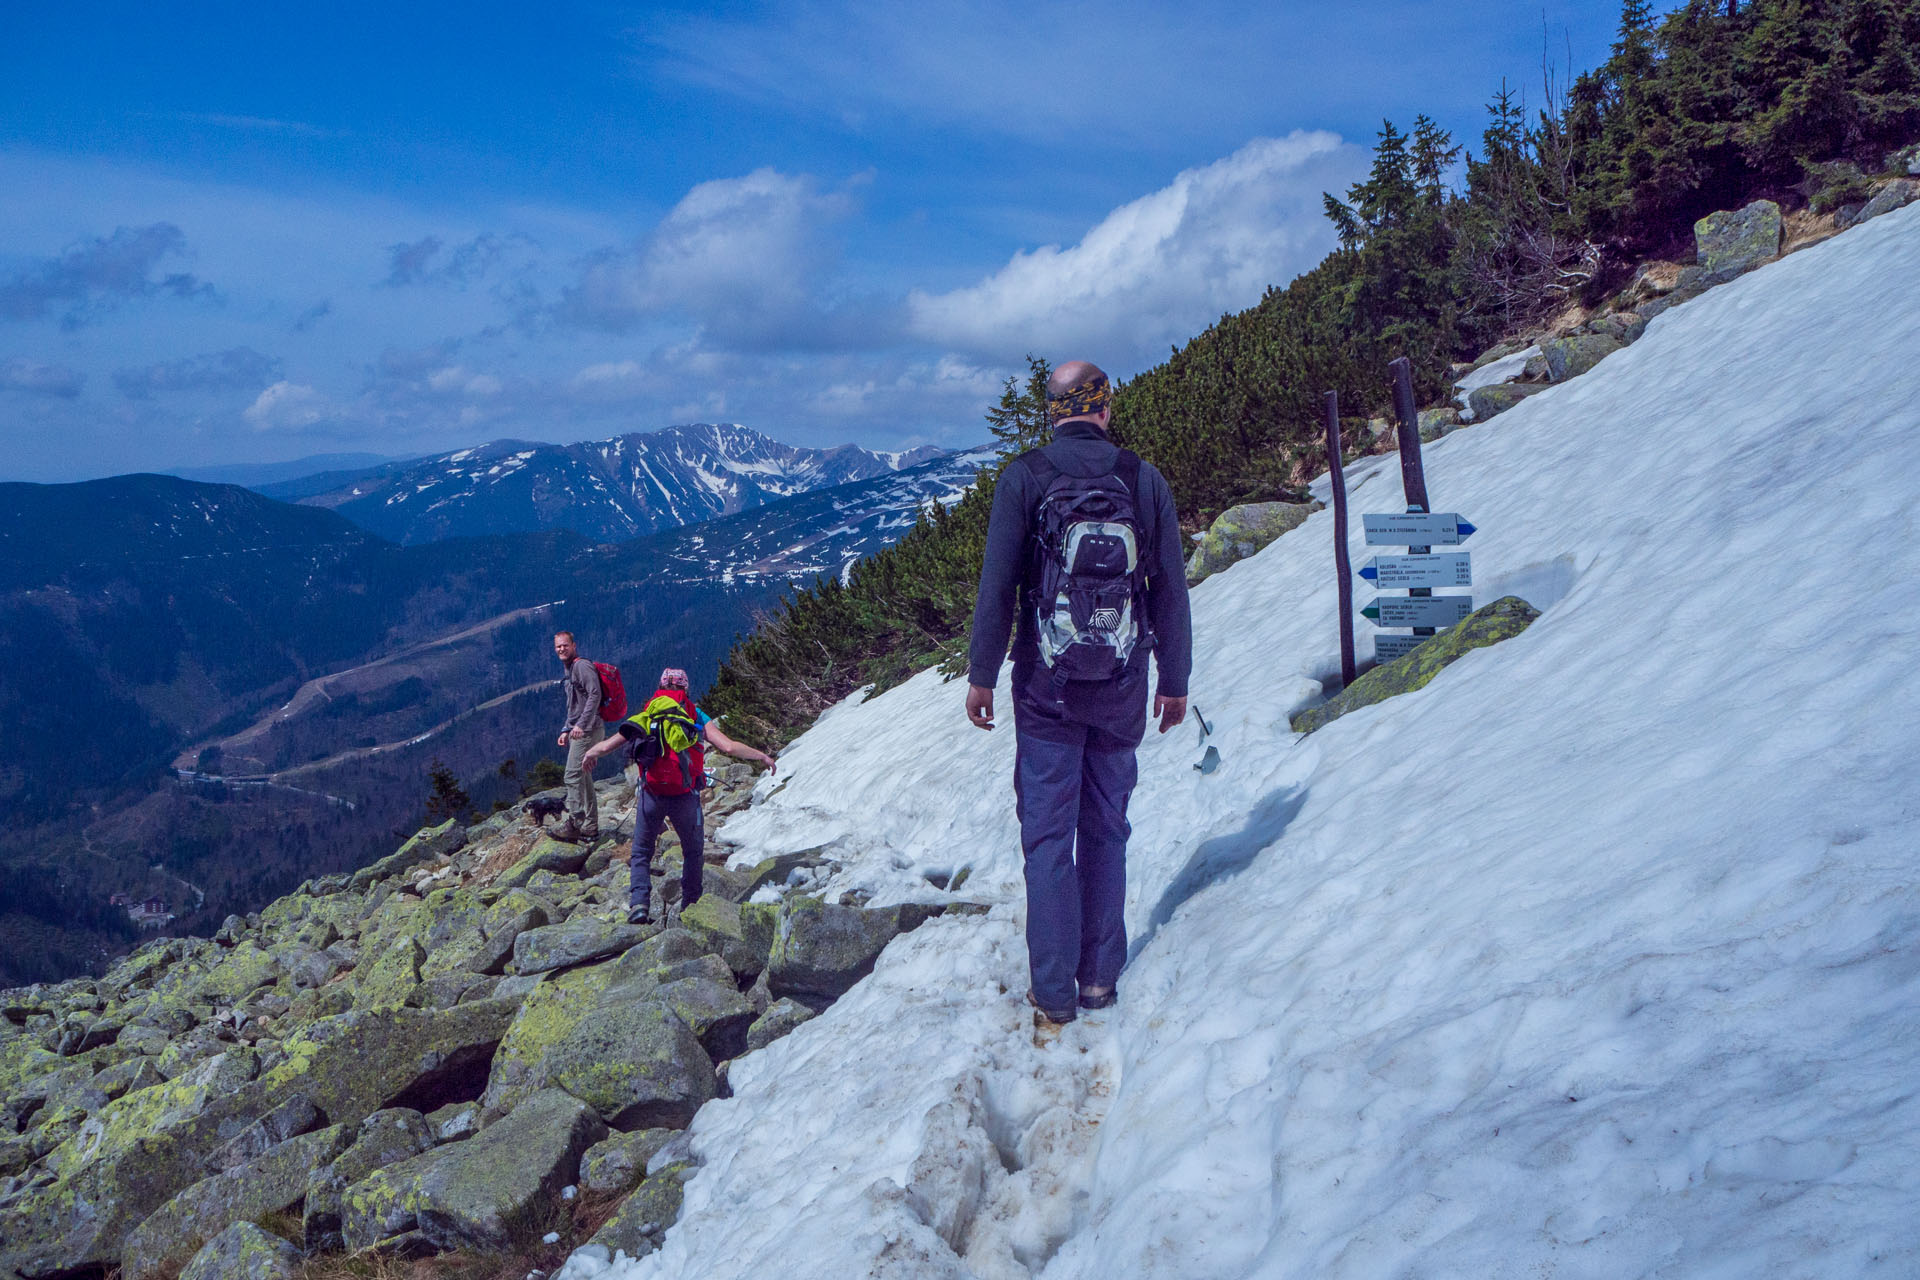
1079, 449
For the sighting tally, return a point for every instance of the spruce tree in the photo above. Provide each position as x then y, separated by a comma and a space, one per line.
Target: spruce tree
1019, 421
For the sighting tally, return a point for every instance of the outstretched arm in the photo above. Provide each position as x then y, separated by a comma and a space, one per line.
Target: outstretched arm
738, 750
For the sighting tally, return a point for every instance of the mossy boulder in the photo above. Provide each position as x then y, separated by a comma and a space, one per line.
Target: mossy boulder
174, 1232
244, 1252
640, 1223
778, 869
559, 857
1733, 242
1492, 401
637, 1064
741, 932
384, 1138
246, 968
782, 1016
712, 1007
821, 949
1572, 356
487, 1193
359, 1062
547, 1013
390, 979
1241, 531
618, 1163
1502, 620
474, 937
428, 843
1889, 196
576, 942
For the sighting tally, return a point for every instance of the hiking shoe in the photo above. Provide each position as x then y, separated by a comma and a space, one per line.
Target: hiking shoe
639, 915
573, 834
1056, 1017
1104, 1000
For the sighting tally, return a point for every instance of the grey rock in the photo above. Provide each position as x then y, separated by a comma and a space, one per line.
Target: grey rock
276, 1180
782, 1016
713, 1008
1731, 243
1570, 357
486, 1193
136, 1038
1889, 196
822, 949
1502, 620
428, 843
244, 1252
561, 946
295, 1116
455, 1121
310, 966
619, 1163
640, 1223
1239, 532
1624, 327
557, 857
637, 1064
1492, 401
1435, 423
127, 1077
742, 932
385, 1138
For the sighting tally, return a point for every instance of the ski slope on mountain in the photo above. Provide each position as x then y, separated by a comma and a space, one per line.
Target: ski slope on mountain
1599, 956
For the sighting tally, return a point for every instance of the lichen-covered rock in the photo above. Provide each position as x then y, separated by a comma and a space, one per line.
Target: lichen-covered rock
389, 981
1624, 327
175, 1231
355, 1064
1897, 194
1733, 242
559, 857
384, 1138
640, 1223
562, 946
486, 1193
244, 1252
636, 1063
619, 1163
474, 937
125, 1077
1492, 401
547, 1013
782, 1016
455, 1121
1570, 357
779, 869
713, 1008
246, 967
1435, 423
741, 932
1905, 160
1502, 620
821, 949
295, 1116
427, 843
1241, 531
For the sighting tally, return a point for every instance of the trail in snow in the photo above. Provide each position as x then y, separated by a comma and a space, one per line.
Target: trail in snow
1600, 956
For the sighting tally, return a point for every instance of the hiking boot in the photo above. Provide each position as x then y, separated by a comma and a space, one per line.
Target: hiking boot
1045, 1018
1092, 999
573, 834
639, 915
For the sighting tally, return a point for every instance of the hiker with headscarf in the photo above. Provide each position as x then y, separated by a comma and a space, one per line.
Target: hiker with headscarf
1084, 566
667, 738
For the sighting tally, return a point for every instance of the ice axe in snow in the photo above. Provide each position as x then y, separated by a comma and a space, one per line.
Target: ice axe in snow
1211, 760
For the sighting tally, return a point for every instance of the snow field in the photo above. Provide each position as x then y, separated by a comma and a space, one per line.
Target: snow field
1599, 956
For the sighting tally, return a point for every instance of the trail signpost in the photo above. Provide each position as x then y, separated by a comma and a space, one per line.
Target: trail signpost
1419, 530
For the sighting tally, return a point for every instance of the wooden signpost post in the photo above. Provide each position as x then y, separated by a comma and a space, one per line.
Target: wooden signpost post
1419, 530
1337, 479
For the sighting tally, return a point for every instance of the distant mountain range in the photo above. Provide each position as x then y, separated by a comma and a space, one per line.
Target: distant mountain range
255, 474
605, 490
202, 686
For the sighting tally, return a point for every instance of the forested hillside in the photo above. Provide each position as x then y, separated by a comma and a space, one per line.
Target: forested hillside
1709, 106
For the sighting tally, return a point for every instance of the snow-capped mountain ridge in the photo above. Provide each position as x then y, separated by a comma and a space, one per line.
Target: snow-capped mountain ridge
1592, 958
609, 490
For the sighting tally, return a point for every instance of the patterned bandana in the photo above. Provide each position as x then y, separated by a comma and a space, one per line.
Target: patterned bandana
673, 678
1087, 396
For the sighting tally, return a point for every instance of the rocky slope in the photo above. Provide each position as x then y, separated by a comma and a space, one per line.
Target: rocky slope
462, 1046
607, 490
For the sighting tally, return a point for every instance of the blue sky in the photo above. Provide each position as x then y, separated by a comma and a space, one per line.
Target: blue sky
238, 233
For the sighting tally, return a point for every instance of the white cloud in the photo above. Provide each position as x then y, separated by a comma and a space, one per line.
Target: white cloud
742, 257
287, 406
1159, 269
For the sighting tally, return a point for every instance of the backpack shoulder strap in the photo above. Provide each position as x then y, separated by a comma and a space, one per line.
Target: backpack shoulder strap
1040, 467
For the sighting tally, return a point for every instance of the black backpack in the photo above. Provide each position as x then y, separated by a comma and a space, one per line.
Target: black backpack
1088, 574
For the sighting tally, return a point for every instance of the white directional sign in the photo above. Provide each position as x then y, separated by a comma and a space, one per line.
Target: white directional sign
1418, 611
1416, 529
1387, 648
1444, 569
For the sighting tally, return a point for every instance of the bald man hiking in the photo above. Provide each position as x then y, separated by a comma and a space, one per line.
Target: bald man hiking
1084, 551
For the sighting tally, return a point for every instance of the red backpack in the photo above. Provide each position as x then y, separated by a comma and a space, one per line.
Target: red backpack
613, 694
674, 773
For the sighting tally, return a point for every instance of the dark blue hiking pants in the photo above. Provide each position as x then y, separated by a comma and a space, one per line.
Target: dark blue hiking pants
1072, 780
656, 812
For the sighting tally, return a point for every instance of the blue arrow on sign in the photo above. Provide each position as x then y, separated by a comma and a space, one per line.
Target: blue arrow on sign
1466, 530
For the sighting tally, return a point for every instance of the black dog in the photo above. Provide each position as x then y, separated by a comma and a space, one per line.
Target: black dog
540, 808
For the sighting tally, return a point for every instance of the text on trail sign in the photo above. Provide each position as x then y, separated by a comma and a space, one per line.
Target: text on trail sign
1387, 648
1416, 529
1445, 569
1418, 611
